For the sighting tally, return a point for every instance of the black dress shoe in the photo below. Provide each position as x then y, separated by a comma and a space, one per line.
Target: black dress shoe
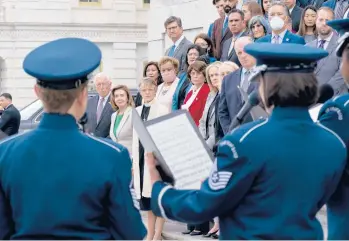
208, 235
215, 236
187, 232
195, 233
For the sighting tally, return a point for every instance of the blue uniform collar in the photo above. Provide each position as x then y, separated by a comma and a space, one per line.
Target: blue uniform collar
301, 113
58, 121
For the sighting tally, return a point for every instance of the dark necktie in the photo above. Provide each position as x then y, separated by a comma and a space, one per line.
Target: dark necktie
322, 44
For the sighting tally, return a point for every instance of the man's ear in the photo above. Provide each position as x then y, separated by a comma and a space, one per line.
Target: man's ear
82, 95
37, 90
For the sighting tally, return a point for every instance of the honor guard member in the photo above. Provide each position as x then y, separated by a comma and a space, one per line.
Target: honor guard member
55, 181
334, 114
270, 177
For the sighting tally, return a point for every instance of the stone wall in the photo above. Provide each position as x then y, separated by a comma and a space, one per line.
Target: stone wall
118, 27
196, 16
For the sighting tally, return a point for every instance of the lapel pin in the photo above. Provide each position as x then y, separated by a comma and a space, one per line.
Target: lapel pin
287, 39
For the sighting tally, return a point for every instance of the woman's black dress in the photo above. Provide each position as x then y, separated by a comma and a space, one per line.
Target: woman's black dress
144, 201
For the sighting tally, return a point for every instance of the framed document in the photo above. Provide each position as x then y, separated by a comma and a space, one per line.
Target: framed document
174, 139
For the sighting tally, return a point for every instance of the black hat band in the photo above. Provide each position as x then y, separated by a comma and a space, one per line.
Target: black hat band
290, 68
62, 84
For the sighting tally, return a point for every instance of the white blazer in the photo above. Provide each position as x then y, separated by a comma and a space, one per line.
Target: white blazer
155, 111
124, 130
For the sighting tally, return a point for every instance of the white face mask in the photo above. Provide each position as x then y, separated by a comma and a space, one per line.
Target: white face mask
276, 23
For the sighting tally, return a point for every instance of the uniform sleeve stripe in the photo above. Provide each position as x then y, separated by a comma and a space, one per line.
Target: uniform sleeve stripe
252, 129
161, 194
334, 133
346, 103
103, 142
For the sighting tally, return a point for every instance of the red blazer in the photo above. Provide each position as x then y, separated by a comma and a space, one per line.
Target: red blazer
197, 107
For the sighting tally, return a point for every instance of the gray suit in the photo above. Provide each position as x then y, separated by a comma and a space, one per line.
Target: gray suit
232, 56
100, 129
181, 53
328, 69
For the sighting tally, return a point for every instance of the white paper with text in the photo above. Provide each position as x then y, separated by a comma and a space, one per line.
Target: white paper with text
183, 151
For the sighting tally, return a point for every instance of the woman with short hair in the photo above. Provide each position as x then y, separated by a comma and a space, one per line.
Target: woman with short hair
150, 109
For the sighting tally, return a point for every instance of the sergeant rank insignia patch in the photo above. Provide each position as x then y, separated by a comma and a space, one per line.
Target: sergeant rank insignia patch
218, 179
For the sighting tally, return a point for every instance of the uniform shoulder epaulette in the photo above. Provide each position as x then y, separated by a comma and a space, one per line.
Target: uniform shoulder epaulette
244, 130
107, 142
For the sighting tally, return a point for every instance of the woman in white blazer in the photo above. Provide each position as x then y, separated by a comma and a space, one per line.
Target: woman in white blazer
121, 130
150, 109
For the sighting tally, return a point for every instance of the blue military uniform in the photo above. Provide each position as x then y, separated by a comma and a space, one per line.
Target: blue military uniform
57, 182
334, 114
270, 177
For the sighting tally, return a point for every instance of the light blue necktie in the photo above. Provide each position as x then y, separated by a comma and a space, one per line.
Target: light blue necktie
225, 25
172, 50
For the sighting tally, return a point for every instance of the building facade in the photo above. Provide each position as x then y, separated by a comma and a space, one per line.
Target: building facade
119, 27
196, 17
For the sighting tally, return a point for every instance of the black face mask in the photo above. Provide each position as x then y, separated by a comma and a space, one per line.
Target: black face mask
202, 50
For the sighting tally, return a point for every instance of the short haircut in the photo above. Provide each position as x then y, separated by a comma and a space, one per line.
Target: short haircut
128, 94
59, 101
208, 79
173, 61
258, 19
289, 89
286, 10
198, 66
6, 96
235, 10
214, 2
146, 81
173, 19
327, 9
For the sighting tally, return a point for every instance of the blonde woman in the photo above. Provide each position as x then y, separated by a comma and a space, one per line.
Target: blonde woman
207, 122
121, 123
150, 109
215, 76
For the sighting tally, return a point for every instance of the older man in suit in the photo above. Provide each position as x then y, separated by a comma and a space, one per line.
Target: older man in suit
99, 110
10, 118
328, 69
231, 100
220, 31
278, 15
237, 28
178, 50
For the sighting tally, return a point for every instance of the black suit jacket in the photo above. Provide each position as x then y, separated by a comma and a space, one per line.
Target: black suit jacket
10, 120
296, 17
102, 128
